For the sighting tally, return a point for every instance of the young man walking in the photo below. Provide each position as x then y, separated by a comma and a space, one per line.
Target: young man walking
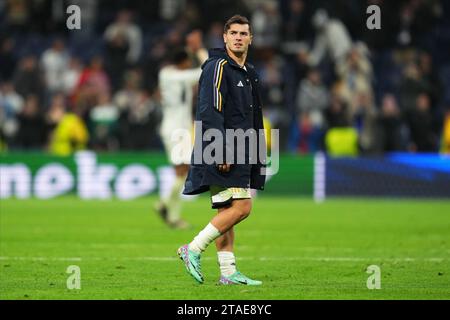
229, 99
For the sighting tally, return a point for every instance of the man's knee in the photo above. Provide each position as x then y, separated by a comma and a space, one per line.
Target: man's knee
243, 207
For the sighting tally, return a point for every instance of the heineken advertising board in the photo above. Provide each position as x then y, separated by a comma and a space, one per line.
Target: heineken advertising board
120, 175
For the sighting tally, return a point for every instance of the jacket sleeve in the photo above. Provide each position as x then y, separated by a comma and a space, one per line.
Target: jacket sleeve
212, 96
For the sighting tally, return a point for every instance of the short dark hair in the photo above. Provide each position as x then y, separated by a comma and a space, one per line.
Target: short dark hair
236, 19
179, 55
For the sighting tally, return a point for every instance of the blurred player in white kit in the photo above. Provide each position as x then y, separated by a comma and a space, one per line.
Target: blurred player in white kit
176, 82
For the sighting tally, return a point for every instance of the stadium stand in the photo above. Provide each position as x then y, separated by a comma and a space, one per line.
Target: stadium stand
320, 67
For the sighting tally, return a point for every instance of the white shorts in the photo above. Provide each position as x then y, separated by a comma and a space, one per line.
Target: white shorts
222, 196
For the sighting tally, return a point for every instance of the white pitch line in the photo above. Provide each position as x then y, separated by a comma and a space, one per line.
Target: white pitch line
325, 259
42, 258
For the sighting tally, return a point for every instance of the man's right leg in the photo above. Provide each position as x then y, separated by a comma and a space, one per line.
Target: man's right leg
221, 223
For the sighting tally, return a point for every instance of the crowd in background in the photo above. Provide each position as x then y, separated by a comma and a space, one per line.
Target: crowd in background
329, 82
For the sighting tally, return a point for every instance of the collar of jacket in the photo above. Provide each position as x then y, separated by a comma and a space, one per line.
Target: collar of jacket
222, 53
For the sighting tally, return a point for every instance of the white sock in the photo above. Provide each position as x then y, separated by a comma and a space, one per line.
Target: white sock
204, 238
227, 263
174, 201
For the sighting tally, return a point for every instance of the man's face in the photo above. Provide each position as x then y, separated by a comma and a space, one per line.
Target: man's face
238, 38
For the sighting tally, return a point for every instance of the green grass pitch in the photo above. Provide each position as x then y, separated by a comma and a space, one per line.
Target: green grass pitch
299, 249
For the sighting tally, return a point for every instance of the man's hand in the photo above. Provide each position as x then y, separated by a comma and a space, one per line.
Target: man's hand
224, 167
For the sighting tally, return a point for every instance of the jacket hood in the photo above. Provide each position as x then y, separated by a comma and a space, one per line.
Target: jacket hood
218, 53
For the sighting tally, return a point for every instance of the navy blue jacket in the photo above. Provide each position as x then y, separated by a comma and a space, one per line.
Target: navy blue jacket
228, 98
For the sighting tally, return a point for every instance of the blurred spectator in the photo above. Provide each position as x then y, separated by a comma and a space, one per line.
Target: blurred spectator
446, 133
295, 23
139, 124
365, 122
103, 124
28, 79
312, 100
416, 18
174, 37
116, 52
420, 122
391, 125
124, 28
190, 16
342, 142
332, 39
129, 94
71, 76
7, 59
430, 76
266, 25
312, 97
195, 48
272, 79
11, 105
341, 139
412, 84
56, 110
152, 63
17, 15
336, 113
171, 9
54, 62
214, 38
92, 83
32, 132
355, 72
69, 132
294, 71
